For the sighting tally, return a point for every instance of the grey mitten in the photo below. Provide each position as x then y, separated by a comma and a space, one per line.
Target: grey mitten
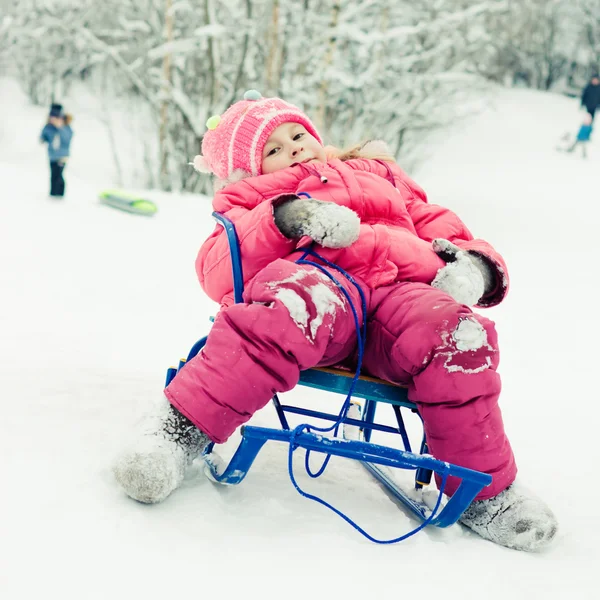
466, 277
327, 223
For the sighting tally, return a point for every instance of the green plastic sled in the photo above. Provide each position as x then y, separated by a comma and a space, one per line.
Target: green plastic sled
128, 202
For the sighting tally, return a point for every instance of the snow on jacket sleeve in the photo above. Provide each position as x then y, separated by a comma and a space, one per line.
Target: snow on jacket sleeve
260, 241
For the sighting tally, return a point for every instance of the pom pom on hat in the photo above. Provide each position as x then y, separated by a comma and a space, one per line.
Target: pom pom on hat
213, 122
200, 164
252, 95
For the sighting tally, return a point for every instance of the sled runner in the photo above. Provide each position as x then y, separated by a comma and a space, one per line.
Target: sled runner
128, 202
356, 426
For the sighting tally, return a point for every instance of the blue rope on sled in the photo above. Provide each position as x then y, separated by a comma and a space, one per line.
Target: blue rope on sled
361, 334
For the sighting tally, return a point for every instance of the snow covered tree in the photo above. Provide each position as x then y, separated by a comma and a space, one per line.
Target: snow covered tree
362, 69
589, 13
531, 43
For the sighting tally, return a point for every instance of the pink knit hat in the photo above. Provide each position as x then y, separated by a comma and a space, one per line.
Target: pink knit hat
236, 139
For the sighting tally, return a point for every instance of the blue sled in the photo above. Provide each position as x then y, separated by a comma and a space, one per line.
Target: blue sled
375, 458
371, 456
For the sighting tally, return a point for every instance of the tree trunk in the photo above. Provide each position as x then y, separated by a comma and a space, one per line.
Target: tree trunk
273, 53
214, 58
165, 180
328, 60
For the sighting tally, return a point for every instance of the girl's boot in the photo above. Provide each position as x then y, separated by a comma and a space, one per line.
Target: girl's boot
155, 463
514, 519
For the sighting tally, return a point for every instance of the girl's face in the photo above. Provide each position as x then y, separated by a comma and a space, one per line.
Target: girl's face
288, 145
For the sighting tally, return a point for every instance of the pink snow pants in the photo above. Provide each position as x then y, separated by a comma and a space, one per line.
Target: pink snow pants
295, 318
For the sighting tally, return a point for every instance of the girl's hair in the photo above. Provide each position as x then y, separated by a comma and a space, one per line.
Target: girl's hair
374, 150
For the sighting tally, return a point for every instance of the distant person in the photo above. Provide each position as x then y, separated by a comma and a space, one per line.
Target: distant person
590, 98
57, 134
583, 136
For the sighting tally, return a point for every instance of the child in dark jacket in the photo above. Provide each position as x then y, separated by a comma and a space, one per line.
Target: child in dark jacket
57, 133
590, 97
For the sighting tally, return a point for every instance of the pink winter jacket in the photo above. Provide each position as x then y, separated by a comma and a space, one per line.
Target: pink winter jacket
397, 227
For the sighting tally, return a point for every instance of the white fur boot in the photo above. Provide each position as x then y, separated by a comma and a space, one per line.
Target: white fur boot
153, 466
514, 519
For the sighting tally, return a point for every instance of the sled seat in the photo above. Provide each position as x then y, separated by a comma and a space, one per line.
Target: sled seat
370, 388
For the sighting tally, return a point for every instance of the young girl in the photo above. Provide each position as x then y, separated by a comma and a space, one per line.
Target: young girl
57, 134
420, 269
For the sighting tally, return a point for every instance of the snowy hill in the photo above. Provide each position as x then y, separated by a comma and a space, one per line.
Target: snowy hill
96, 304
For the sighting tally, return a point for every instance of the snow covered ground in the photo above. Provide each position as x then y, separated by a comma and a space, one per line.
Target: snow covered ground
96, 303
